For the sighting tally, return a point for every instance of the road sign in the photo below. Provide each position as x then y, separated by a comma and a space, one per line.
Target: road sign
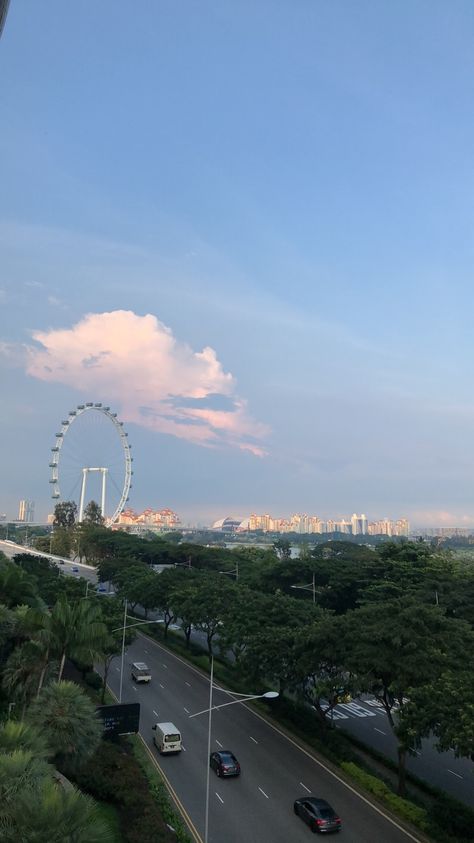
120, 719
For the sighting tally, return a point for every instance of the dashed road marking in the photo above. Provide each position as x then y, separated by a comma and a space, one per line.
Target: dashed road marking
379, 730
161, 686
135, 689
252, 739
188, 684
455, 774
165, 665
218, 743
155, 713
219, 798
306, 788
262, 791
186, 709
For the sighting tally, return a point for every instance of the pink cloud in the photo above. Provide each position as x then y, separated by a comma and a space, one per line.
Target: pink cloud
153, 379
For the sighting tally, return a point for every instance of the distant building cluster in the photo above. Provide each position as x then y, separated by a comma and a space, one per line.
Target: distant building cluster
357, 525
159, 520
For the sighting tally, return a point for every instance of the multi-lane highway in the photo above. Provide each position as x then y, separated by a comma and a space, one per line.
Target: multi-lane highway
258, 806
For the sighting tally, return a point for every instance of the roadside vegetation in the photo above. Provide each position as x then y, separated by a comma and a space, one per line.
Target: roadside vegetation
343, 619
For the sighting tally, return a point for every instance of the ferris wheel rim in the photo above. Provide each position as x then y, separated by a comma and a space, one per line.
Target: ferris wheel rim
126, 448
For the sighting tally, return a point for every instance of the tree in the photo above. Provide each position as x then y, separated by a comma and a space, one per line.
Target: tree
211, 600
112, 616
93, 515
16, 586
445, 709
33, 807
68, 721
282, 548
70, 629
22, 673
398, 646
61, 542
65, 514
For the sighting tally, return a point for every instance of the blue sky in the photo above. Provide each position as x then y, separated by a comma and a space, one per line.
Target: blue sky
287, 184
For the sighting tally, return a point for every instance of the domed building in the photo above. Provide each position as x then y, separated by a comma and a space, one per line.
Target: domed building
227, 525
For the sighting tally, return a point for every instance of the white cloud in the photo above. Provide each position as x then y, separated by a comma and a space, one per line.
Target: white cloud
157, 381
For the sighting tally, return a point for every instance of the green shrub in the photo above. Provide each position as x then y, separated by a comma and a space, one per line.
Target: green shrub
452, 817
113, 775
402, 807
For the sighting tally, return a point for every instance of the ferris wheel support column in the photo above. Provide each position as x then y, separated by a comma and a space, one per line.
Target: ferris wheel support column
85, 472
102, 501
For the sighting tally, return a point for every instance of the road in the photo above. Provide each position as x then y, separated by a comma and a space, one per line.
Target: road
258, 806
365, 719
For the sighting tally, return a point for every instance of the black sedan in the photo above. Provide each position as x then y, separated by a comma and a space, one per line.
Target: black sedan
318, 814
225, 763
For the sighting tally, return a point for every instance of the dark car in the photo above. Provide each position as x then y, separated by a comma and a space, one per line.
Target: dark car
225, 763
75, 570
318, 814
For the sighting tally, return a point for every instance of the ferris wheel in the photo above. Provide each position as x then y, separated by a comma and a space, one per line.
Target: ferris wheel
92, 443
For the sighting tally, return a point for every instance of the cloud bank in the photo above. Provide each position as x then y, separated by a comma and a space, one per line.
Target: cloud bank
153, 380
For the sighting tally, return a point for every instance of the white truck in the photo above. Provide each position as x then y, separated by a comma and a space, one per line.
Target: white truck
141, 672
167, 738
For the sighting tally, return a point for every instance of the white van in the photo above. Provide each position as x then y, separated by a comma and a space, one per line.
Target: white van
140, 672
167, 738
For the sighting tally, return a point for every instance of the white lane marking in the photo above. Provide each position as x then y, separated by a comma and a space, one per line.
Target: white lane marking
252, 739
146, 651
183, 748
161, 686
135, 689
262, 791
356, 710
293, 742
219, 798
455, 774
165, 665
379, 730
218, 743
306, 788
117, 668
186, 709
188, 684
155, 713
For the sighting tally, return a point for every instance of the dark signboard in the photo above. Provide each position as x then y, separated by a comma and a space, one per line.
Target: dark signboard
120, 719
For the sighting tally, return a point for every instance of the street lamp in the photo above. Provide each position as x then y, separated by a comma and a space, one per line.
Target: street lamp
310, 587
124, 628
269, 695
234, 573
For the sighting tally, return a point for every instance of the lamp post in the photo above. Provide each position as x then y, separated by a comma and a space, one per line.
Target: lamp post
234, 573
124, 628
310, 587
269, 695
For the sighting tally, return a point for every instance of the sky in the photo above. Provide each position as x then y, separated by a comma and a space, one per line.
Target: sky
248, 228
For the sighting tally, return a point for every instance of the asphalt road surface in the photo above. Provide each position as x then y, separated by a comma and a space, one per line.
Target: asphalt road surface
257, 807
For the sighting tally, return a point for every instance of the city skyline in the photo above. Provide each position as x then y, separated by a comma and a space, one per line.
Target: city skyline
256, 260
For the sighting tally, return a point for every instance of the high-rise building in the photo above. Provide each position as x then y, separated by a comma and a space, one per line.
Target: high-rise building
359, 525
26, 511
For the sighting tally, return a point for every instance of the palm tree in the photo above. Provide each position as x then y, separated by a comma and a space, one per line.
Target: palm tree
54, 815
16, 736
67, 719
70, 629
34, 807
21, 673
16, 586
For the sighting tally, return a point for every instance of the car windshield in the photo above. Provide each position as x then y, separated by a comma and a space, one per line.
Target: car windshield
227, 759
326, 813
